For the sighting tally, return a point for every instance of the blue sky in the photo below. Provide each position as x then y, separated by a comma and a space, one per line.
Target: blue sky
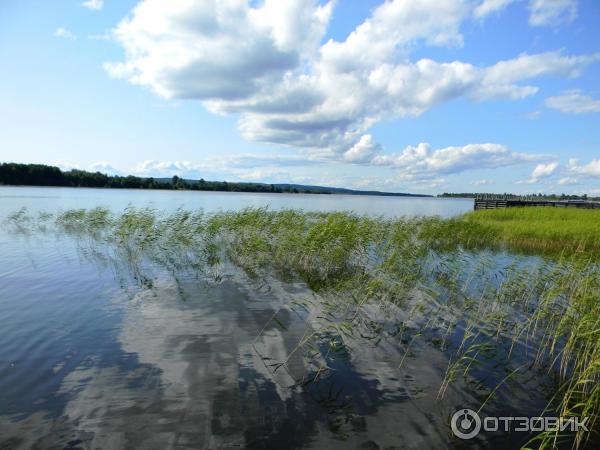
414, 96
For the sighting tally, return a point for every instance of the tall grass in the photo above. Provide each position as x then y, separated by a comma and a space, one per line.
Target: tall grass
549, 230
527, 316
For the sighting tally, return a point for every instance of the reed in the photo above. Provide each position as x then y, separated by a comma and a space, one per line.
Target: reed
541, 229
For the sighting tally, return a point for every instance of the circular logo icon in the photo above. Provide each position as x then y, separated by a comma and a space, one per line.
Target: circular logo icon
465, 423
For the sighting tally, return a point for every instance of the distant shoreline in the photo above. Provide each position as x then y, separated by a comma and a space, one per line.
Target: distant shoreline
40, 175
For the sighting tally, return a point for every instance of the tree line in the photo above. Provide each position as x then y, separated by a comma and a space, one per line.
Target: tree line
44, 175
537, 196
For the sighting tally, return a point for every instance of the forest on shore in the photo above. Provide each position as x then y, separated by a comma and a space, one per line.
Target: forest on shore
16, 174
43, 175
538, 196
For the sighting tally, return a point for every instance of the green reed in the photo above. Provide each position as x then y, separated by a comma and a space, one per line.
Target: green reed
541, 229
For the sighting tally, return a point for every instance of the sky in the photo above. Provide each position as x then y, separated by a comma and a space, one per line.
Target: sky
423, 96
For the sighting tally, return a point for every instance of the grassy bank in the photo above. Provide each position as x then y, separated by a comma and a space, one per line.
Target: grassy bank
541, 229
515, 322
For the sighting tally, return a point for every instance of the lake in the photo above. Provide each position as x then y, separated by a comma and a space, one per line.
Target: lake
103, 347
56, 198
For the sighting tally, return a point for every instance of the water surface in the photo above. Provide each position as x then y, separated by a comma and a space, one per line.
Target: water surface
57, 198
96, 355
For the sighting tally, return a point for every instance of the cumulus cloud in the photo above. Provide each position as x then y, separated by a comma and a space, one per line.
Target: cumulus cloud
100, 166
395, 184
568, 181
488, 7
422, 162
418, 164
500, 80
94, 5
240, 165
64, 33
66, 165
268, 63
540, 171
273, 174
260, 168
544, 170
552, 12
573, 173
168, 168
103, 167
364, 150
254, 160
573, 101
217, 50
541, 12
592, 169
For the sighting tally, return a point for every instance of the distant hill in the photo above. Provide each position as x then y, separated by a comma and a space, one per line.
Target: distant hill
302, 188
42, 175
334, 190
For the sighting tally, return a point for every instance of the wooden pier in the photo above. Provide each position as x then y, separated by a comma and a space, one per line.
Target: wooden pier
495, 203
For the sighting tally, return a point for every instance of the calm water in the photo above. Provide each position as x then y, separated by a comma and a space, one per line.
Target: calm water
51, 199
91, 359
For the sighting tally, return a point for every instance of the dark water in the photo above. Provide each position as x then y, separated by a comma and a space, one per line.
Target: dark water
92, 359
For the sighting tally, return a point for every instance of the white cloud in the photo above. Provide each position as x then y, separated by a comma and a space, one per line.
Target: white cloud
364, 150
64, 33
103, 167
271, 174
413, 165
566, 181
168, 168
254, 160
573, 173
552, 12
592, 169
540, 171
422, 162
541, 12
488, 7
217, 50
239, 166
268, 64
395, 184
500, 79
95, 5
544, 170
573, 101
480, 182
100, 166
343, 105
66, 165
